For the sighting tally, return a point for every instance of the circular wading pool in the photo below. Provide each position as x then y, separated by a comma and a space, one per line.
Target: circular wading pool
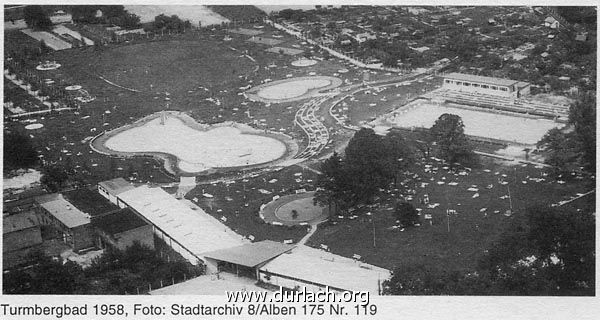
294, 209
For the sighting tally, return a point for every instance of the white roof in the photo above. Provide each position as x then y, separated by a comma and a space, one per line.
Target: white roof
192, 229
63, 210
318, 266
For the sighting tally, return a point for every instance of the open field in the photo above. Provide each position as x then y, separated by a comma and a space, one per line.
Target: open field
479, 220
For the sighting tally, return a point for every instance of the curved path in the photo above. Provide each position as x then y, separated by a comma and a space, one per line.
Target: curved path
317, 133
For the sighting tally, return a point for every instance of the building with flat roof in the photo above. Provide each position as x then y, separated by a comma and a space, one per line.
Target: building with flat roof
246, 259
110, 189
19, 231
189, 232
485, 85
316, 269
74, 224
121, 229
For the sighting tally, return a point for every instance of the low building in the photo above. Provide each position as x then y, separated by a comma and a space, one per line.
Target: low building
189, 232
246, 259
56, 211
316, 269
87, 220
551, 23
121, 229
486, 85
110, 189
20, 231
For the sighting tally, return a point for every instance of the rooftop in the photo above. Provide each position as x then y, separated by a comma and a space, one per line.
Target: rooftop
120, 221
251, 254
62, 210
19, 221
318, 266
90, 202
480, 79
116, 186
193, 229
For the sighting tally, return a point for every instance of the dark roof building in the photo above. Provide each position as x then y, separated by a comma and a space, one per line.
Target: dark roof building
121, 229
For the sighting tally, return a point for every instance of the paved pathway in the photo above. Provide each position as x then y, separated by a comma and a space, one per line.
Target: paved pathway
317, 133
313, 229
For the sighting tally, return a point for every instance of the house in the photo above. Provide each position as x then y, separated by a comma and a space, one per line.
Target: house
581, 36
121, 229
74, 225
551, 23
61, 17
19, 231
362, 37
87, 220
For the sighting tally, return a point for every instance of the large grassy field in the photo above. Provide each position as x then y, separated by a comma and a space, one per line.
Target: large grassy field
472, 229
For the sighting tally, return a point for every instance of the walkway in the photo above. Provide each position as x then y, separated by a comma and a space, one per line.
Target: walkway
317, 133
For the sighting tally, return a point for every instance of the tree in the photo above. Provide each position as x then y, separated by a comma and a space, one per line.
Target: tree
331, 184
371, 162
54, 177
448, 132
406, 214
18, 151
36, 18
367, 164
399, 155
561, 153
546, 251
582, 115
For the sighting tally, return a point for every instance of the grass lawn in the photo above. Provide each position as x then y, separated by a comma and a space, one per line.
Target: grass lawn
229, 200
471, 230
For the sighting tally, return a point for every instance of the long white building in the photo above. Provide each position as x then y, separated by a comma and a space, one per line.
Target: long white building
485, 85
189, 232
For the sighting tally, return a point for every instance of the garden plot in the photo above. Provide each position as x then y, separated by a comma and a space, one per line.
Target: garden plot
197, 150
524, 130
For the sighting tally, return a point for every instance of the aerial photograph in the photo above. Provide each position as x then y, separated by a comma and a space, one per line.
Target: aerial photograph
392, 150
